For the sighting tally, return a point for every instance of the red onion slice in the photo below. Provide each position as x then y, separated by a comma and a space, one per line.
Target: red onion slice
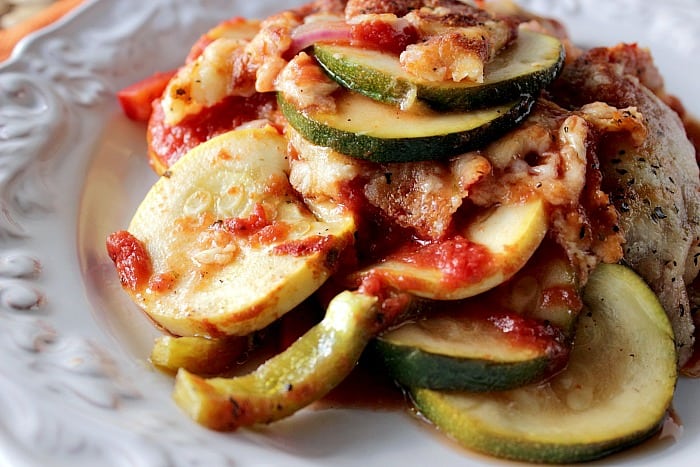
321, 31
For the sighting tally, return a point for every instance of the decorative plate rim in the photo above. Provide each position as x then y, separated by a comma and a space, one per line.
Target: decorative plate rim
71, 393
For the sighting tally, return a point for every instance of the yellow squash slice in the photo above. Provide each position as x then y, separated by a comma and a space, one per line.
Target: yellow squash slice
232, 246
313, 365
507, 235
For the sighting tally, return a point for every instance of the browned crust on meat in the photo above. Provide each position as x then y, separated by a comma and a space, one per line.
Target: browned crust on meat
655, 186
335, 7
365, 7
461, 15
458, 14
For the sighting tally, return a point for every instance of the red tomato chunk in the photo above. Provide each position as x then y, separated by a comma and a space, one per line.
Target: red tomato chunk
131, 259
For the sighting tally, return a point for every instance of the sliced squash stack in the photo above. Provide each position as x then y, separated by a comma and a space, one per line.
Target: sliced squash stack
526, 67
465, 361
385, 114
615, 392
505, 358
369, 129
513, 335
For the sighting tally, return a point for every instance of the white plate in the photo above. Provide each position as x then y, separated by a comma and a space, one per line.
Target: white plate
75, 386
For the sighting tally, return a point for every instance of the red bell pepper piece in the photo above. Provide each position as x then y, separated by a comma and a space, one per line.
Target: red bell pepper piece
136, 99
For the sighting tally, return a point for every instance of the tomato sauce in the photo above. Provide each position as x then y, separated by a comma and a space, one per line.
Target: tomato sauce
257, 228
247, 225
526, 332
167, 143
275, 232
131, 259
379, 35
305, 246
520, 331
378, 238
163, 282
459, 260
561, 297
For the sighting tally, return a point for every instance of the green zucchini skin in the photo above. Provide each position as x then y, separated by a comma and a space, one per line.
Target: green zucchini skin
501, 339
459, 348
614, 393
442, 408
526, 67
412, 367
364, 143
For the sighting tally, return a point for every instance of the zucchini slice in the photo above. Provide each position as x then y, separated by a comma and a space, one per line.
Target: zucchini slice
526, 67
516, 334
367, 129
472, 350
615, 392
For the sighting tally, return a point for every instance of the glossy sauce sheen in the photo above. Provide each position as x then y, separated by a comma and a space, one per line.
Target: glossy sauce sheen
257, 229
521, 331
367, 387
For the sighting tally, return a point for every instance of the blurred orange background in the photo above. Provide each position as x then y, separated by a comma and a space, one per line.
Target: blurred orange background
10, 35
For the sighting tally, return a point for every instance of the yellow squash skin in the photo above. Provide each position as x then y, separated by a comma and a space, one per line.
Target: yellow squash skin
288, 382
199, 355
